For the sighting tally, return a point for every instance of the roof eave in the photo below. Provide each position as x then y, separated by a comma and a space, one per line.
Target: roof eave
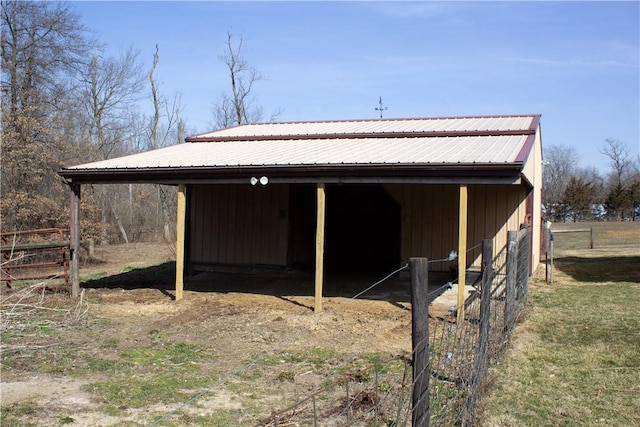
295, 172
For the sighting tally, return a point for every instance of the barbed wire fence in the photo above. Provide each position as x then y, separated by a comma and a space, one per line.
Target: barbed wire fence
364, 389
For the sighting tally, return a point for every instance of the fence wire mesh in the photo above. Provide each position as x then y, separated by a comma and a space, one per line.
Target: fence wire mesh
376, 389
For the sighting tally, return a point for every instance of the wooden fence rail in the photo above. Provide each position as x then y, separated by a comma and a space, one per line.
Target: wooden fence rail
581, 230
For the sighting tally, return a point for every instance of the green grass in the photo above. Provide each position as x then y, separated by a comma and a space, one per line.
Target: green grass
137, 391
145, 376
95, 276
576, 359
606, 235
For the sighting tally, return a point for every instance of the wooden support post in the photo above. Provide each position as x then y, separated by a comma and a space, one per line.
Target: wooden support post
591, 238
421, 411
180, 236
74, 239
320, 217
462, 251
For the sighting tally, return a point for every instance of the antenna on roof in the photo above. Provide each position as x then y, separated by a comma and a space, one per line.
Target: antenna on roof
380, 107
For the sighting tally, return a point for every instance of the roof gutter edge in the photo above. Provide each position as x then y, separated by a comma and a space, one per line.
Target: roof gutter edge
463, 170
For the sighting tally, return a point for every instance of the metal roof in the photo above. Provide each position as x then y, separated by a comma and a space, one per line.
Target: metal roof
369, 146
386, 127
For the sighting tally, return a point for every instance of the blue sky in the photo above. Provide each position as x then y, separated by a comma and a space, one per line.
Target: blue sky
576, 63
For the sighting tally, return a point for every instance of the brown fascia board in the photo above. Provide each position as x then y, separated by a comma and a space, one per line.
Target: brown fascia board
381, 171
526, 148
361, 135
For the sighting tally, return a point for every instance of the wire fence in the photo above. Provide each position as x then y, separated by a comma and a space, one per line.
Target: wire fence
377, 389
462, 352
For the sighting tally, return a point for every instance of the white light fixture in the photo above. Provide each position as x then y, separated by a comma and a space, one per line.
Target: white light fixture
264, 180
253, 180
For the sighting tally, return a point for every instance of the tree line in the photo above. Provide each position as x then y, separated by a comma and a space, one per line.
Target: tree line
64, 101
574, 193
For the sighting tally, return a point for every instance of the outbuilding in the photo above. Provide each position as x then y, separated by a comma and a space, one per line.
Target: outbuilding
344, 195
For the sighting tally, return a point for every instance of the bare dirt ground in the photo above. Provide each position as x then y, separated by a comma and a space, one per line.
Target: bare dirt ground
68, 362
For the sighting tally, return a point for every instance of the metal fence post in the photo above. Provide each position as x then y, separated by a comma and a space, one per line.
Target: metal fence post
421, 412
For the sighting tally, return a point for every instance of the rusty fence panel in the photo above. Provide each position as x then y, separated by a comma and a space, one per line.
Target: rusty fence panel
41, 254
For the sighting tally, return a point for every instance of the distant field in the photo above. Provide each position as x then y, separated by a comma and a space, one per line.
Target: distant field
575, 360
606, 234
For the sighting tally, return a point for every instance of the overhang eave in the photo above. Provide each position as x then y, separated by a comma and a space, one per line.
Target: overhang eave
454, 173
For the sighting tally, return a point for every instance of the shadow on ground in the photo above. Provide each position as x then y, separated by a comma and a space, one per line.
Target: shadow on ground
267, 281
600, 269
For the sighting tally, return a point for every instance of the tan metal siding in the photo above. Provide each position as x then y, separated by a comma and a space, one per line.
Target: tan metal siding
430, 219
493, 211
532, 170
239, 224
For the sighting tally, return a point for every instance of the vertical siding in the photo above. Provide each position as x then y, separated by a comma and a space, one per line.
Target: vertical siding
239, 224
430, 219
493, 211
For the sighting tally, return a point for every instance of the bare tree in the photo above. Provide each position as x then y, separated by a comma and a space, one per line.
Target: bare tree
239, 107
619, 159
111, 89
560, 163
43, 45
622, 195
175, 123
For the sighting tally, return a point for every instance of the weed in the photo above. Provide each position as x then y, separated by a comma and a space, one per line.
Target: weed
111, 343
156, 334
286, 376
66, 420
220, 418
102, 365
178, 353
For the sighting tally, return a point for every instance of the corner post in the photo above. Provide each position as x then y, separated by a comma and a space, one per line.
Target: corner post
180, 236
320, 219
74, 238
462, 251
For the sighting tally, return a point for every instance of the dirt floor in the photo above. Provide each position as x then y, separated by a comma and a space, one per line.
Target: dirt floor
57, 351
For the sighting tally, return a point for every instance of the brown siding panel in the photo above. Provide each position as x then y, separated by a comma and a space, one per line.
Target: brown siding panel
239, 224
